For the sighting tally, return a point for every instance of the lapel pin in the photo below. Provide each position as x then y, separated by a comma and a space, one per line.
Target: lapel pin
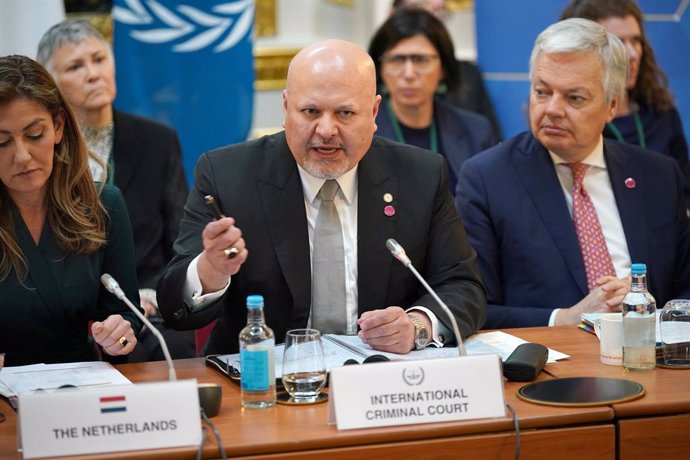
387, 197
389, 211
630, 182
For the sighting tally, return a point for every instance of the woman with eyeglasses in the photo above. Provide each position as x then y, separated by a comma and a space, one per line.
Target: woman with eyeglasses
415, 61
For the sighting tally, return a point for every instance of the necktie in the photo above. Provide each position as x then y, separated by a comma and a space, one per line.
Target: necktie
328, 267
595, 254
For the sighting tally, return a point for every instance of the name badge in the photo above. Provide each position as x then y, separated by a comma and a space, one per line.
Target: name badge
109, 419
408, 392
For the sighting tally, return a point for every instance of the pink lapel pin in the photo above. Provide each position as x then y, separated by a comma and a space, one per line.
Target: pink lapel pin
630, 183
389, 211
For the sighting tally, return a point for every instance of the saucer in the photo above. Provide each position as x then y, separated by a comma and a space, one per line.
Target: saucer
283, 397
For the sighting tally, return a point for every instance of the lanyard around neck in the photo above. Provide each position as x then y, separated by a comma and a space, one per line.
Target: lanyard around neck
433, 138
638, 127
110, 169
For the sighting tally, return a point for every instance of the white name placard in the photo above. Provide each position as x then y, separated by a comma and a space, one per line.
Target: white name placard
407, 392
109, 419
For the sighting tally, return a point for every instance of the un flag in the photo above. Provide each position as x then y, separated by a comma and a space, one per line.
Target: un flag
188, 64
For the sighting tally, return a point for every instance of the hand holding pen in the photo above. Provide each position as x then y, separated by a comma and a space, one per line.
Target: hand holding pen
231, 251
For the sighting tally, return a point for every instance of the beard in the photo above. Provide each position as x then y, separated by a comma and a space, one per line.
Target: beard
325, 169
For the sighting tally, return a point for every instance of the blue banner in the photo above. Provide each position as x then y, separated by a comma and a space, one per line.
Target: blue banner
188, 64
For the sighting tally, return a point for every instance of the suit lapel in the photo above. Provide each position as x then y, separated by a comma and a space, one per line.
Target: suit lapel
450, 139
282, 200
536, 171
127, 150
628, 200
374, 228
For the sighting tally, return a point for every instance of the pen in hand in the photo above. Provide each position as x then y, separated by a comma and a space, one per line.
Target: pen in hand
213, 204
232, 251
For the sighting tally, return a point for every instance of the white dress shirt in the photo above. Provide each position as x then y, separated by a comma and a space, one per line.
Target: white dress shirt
598, 185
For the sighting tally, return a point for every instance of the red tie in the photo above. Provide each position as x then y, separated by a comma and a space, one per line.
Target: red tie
592, 243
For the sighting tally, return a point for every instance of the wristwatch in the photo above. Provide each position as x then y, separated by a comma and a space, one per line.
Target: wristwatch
421, 334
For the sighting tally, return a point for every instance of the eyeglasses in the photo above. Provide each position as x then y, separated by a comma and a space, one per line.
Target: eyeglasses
394, 64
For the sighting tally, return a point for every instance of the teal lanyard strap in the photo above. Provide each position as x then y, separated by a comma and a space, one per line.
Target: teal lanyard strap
638, 127
433, 141
111, 169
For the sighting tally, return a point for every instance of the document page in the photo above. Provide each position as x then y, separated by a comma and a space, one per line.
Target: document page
339, 348
49, 377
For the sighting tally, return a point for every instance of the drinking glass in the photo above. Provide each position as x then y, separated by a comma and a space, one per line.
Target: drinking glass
304, 365
674, 326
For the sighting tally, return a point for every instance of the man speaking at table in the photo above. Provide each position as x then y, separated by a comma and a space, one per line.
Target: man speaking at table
309, 212
558, 214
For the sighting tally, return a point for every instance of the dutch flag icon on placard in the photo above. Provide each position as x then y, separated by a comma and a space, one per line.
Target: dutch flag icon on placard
112, 404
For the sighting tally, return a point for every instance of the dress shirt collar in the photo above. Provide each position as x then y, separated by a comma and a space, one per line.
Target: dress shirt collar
596, 158
311, 185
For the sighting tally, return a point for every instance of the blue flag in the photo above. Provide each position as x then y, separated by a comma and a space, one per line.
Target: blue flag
188, 64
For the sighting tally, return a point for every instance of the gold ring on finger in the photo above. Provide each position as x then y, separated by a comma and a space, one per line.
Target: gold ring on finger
231, 252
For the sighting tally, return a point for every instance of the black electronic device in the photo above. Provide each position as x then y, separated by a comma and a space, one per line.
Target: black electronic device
526, 362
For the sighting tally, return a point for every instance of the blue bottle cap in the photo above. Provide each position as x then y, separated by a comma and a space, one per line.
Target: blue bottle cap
638, 269
255, 301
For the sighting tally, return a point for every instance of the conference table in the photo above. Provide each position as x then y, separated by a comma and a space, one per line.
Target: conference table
654, 426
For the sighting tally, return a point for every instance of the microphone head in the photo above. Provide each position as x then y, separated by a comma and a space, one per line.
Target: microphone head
109, 282
398, 252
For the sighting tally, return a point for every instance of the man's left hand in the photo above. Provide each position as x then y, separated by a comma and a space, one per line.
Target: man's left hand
388, 330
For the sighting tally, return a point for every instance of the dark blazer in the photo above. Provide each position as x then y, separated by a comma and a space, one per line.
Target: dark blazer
258, 184
663, 132
148, 170
461, 134
516, 217
472, 95
44, 318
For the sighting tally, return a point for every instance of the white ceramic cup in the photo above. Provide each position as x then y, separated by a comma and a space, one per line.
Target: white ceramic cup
609, 329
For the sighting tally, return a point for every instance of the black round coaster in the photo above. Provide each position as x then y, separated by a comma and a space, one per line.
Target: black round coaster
581, 391
674, 364
283, 397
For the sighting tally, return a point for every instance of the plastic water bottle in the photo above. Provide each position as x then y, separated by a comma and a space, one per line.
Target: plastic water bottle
639, 323
258, 380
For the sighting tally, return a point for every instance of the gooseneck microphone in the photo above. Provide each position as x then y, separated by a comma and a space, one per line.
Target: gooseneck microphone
112, 286
399, 253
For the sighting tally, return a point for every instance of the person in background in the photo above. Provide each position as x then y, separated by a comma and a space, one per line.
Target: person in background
646, 115
558, 214
413, 54
470, 93
142, 156
57, 235
311, 209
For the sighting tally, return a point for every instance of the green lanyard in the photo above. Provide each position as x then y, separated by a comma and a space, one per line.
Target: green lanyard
433, 138
638, 127
111, 169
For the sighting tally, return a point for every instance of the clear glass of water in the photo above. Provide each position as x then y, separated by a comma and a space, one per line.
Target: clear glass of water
304, 365
674, 326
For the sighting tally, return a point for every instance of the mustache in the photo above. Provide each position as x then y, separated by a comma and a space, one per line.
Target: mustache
325, 144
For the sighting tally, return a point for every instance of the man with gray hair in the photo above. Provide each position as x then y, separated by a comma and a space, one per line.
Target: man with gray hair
558, 214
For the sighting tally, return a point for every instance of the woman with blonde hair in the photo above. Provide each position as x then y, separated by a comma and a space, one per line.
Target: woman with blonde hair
58, 232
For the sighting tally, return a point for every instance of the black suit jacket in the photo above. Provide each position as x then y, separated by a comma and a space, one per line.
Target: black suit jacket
259, 185
148, 170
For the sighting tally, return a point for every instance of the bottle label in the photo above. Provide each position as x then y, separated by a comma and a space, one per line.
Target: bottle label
256, 373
